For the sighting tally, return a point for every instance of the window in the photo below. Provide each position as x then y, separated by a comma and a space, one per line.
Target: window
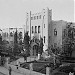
31, 18
55, 32
44, 25
35, 29
7, 34
38, 29
37, 17
44, 39
32, 30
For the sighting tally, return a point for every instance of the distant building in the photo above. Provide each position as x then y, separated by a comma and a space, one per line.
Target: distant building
8, 34
5, 33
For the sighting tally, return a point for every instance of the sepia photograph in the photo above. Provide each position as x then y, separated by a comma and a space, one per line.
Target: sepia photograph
37, 37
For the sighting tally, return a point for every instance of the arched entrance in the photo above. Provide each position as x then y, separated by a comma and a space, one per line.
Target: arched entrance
34, 49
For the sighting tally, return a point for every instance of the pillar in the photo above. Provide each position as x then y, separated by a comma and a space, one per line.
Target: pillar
31, 66
48, 70
39, 56
54, 59
7, 61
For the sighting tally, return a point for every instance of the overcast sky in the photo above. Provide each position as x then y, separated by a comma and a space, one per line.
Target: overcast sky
12, 12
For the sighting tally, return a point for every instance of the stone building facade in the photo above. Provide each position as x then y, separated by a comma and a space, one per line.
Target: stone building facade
57, 36
39, 25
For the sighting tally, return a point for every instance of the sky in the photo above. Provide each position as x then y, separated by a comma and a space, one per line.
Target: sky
12, 12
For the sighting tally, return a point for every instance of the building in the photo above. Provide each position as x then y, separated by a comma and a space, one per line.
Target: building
41, 25
5, 33
8, 34
58, 28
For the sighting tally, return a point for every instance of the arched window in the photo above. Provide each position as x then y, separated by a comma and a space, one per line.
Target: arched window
44, 39
35, 29
55, 32
37, 17
38, 29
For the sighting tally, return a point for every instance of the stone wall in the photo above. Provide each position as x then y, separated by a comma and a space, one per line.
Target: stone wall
24, 71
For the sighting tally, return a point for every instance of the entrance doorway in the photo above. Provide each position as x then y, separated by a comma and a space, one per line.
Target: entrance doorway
35, 50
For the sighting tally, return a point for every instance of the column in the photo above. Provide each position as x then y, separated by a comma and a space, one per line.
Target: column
48, 70
39, 56
31, 66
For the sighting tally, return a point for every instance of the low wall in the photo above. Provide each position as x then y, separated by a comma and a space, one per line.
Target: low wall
23, 71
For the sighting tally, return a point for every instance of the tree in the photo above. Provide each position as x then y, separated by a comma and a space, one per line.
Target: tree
0, 42
15, 37
40, 46
15, 48
68, 41
5, 45
26, 43
56, 50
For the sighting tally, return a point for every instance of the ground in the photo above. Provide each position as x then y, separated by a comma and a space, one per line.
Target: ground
1, 73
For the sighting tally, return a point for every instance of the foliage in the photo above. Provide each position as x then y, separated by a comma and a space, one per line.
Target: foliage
0, 42
69, 41
56, 50
16, 47
20, 42
26, 43
5, 45
40, 46
17, 44
0, 39
20, 35
3, 61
